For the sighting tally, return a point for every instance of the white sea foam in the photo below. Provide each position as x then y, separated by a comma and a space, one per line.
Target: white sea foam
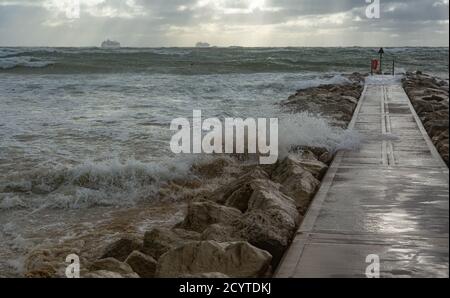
124, 180
124, 183
107, 183
305, 129
383, 79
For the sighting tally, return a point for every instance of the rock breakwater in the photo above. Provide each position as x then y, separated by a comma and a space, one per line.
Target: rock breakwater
429, 96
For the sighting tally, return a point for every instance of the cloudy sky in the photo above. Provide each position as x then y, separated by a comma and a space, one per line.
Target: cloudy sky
223, 22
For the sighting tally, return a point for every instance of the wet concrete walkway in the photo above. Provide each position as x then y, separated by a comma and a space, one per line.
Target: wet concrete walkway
389, 199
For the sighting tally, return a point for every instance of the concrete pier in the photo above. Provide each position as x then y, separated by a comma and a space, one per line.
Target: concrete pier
390, 199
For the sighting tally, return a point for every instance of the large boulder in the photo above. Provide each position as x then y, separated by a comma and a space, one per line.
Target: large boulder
111, 265
109, 274
309, 161
160, 240
298, 180
122, 248
235, 189
234, 259
201, 215
143, 265
221, 233
436, 127
269, 221
422, 106
267, 230
267, 198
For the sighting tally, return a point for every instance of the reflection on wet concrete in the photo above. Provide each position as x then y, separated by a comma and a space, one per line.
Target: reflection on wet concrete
391, 199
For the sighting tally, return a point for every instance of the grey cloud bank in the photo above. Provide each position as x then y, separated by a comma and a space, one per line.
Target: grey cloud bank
224, 22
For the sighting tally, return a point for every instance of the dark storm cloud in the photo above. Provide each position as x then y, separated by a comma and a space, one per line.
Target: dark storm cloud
182, 22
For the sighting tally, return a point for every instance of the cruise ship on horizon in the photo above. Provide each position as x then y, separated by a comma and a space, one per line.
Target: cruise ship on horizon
110, 44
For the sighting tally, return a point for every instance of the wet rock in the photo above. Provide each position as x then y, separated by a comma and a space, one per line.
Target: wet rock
267, 230
422, 106
43, 272
220, 233
267, 198
434, 97
111, 265
270, 217
200, 215
38, 264
236, 259
206, 275
326, 158
109, 274
350, 99
239, 198
17, 187
143, 265
270, 220
429, 97
436, 127
122, 248
50, 263
224, 193
297, 182
309, 162
336, 102
159, 240
211, 169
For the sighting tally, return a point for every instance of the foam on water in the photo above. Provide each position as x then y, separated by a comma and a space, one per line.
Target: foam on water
384, 79
23, 61
84, 141
106, 183
116, 182
305, 129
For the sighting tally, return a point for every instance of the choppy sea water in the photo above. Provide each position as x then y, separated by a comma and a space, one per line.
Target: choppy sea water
87, 128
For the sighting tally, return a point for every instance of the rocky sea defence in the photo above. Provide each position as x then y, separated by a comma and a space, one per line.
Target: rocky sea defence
239, 228
429, 96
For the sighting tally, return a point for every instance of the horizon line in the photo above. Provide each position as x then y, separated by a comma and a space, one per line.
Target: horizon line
230, 46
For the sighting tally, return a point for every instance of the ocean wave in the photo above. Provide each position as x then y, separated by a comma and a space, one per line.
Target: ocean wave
193, 61
23, 61
306, 129
106, 183
117, 182
5, 52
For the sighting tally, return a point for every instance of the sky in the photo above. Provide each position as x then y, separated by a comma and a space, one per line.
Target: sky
159, 23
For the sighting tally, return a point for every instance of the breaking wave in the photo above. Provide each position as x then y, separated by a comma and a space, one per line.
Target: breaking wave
107, 183
125, 183
305, 129
23, 61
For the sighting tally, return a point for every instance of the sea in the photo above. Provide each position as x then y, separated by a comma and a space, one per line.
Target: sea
85, 138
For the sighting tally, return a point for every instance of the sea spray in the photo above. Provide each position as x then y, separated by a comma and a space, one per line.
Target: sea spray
310, 130
106, 183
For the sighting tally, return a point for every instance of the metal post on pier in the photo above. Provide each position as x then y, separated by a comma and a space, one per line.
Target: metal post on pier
381, 52
393, 67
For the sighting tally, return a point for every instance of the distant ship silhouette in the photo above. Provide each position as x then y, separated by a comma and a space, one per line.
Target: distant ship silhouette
202, 45
110, 44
